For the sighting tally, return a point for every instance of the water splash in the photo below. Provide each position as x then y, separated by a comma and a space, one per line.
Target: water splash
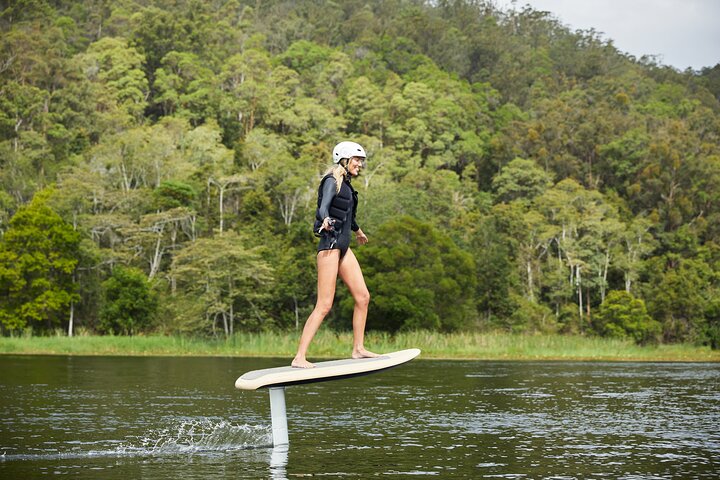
201, 436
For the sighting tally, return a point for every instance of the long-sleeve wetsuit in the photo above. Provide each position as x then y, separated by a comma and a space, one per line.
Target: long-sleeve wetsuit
339, 238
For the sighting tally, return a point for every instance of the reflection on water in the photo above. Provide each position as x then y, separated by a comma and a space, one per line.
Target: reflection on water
181, 418
278, 462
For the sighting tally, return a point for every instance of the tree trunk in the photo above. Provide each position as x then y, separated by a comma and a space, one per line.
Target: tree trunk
297, 314
603, 284
531, 296
157, 256
72, 316
232, 319
580, 296
587, 304
222, 194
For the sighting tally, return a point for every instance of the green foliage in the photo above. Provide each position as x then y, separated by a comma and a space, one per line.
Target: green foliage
117, 68
418, 278
677, 295
227, 279
713, 327
38, 255
622, 315
129, 304
173, 194
496, 277
520, 179
175, 132
529, 316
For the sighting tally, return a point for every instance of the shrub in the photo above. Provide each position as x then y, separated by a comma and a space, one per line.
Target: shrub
623, 316
530, 317
129, 304
418, 279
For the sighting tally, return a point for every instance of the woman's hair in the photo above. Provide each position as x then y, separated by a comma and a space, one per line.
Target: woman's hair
338, 172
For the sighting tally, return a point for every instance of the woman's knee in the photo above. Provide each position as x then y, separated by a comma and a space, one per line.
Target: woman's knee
362, 299
323, 307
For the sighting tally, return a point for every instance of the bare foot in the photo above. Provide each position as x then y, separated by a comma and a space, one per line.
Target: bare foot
301, 363
362, 353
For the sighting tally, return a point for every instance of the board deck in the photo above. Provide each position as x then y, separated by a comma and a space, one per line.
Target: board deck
323, 371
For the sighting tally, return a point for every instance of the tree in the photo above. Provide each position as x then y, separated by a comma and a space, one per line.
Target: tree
621, 315
228, 278
677, 295
496, 277
185, 86
521, 179
583, 231
118, 68
157, 234
129, 304
418, 279
246, 86
38, 255
164, 124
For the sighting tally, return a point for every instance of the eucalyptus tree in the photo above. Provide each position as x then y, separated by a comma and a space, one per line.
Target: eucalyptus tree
365, 106
158, 234
521, 179
117, 67
185, 86
516, 186
229, 279
583, 231
635, 244
124, 159
246, 88
209, 161
23, 147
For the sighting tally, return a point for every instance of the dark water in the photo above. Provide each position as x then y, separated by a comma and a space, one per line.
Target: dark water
156, 418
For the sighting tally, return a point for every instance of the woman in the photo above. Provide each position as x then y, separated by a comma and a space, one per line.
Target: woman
335, 218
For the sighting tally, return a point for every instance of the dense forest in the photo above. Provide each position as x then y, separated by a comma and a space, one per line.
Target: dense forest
159, 163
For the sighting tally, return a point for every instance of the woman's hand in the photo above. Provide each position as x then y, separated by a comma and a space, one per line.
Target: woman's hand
361, 237
327, 224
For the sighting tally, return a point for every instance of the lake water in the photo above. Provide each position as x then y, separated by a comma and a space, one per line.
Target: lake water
171, 418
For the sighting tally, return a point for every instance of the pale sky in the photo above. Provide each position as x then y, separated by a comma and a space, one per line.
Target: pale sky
681, 33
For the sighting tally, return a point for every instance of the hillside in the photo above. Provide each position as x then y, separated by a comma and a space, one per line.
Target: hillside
159, 162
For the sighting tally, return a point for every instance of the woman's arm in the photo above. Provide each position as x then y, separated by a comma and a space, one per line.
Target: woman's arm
328, 193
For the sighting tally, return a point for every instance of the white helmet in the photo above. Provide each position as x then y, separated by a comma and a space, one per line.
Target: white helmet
347, 150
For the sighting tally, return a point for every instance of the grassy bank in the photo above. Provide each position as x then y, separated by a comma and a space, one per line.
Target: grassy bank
328, 344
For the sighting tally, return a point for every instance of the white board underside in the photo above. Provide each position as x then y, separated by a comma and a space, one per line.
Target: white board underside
335, 369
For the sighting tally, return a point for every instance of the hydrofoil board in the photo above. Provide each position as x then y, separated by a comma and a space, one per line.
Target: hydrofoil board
323, 371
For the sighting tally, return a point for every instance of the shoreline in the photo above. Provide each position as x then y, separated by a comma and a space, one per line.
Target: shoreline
421, 357
328, 344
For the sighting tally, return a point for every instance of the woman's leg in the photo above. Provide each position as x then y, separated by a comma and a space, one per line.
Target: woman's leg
327, 266
352, 276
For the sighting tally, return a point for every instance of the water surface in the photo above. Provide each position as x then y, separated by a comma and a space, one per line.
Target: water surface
129, 417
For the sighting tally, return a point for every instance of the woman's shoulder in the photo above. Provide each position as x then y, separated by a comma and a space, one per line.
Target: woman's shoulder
327, 185
327, 180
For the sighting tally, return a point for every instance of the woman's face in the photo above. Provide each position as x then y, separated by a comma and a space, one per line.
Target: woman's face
355, 164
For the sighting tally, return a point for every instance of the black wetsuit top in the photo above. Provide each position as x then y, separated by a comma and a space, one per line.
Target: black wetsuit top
330, 206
